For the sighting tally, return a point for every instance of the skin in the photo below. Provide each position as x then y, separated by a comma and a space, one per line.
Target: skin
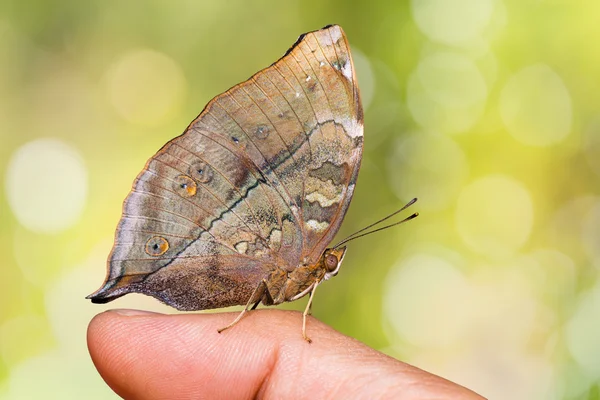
154, 356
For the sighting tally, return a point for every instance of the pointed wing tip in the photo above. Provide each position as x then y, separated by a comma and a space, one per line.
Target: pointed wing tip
98, 300
103, 298
108, 292
330, 27
100, 296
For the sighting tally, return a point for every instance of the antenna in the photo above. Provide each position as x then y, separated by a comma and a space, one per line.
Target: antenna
360, 233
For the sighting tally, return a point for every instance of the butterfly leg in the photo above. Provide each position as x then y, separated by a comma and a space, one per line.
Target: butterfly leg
262, 285
307, 312
266, 299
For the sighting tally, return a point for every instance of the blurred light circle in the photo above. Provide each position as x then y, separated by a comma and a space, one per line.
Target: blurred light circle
425, 301
446, 92
365, 76
46, 185
575, 383
583, 331
494, 215
433, 169
591, 234
518, 374
145, 86
452, 22
507, 281
536, 106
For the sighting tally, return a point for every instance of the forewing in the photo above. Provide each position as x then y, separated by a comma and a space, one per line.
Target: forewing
300, 123
333, 118
261, 179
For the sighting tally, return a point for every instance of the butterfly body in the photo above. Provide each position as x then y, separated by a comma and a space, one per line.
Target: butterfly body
241, 207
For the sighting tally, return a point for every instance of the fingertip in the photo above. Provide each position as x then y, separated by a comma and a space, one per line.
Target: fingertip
98, 334
100, 327
146, 355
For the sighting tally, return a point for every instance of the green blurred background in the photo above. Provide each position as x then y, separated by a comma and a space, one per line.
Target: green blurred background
487, 110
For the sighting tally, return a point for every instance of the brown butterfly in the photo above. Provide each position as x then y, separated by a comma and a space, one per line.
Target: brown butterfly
241, 207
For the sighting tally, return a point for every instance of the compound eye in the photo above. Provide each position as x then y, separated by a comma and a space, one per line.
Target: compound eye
331, 262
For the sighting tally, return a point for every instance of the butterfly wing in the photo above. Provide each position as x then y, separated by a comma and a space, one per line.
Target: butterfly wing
261, 179
333, 117
183, 224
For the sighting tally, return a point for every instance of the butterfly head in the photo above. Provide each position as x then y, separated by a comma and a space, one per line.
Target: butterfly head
332, 260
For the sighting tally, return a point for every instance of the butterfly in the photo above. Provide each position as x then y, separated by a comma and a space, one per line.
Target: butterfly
241, 207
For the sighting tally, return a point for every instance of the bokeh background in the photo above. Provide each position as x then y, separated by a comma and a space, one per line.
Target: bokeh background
488, 111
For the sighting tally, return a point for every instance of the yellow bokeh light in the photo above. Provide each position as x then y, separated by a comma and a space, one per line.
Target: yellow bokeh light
582, 335
518, 375
452, 22
46, 185
423, 294
504, 314
494, 215
433, 169
145, 86
446, 92
535, 106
